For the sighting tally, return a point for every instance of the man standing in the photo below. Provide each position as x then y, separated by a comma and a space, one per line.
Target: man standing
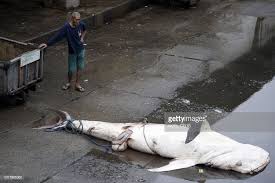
74, 31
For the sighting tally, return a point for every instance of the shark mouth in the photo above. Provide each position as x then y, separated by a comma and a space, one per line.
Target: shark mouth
261, 167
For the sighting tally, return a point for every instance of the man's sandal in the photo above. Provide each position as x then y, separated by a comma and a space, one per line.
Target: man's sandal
66, 86
79, 88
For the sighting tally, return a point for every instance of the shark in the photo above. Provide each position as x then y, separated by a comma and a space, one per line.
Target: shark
207, 147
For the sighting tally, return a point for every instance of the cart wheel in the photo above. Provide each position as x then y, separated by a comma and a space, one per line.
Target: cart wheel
11, 100
172, 3
48, 3
33, 88
21, 97
187, 4
193, 3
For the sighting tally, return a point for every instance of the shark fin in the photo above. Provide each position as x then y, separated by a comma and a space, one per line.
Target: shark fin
195, 130
175, 165
205, 126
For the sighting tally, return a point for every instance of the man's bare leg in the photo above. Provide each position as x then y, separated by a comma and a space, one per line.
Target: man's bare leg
69, 83
78, 87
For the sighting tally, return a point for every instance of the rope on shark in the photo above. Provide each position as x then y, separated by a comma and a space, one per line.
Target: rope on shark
72, 128
146, 139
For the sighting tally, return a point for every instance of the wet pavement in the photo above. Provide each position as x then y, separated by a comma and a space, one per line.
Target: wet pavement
225, 88
155, 60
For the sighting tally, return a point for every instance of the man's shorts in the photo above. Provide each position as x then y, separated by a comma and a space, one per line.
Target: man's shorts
76, 61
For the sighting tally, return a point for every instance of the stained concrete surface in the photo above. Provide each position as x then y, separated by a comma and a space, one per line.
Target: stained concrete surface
134, 66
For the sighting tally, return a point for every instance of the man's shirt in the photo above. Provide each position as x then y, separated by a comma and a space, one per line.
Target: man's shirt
73, 36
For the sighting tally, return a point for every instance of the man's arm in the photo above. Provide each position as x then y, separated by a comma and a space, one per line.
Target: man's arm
57, 37
84, 32
82, 36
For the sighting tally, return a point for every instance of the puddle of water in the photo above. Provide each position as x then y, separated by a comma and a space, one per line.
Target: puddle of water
99, 154
229, 86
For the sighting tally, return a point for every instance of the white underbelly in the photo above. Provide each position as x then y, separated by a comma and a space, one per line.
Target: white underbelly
156, 140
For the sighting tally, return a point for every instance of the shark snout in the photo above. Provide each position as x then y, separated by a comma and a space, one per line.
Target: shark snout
262, 166
251, 159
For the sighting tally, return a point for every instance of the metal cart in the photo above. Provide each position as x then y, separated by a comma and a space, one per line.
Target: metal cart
21, 67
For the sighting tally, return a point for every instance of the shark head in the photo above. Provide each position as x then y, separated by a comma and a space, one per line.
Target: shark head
244, 158
249, 159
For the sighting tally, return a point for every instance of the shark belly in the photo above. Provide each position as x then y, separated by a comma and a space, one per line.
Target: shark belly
155, 139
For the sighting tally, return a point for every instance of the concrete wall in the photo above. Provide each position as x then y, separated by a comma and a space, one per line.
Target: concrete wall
63, 4
67, 4
19, 2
